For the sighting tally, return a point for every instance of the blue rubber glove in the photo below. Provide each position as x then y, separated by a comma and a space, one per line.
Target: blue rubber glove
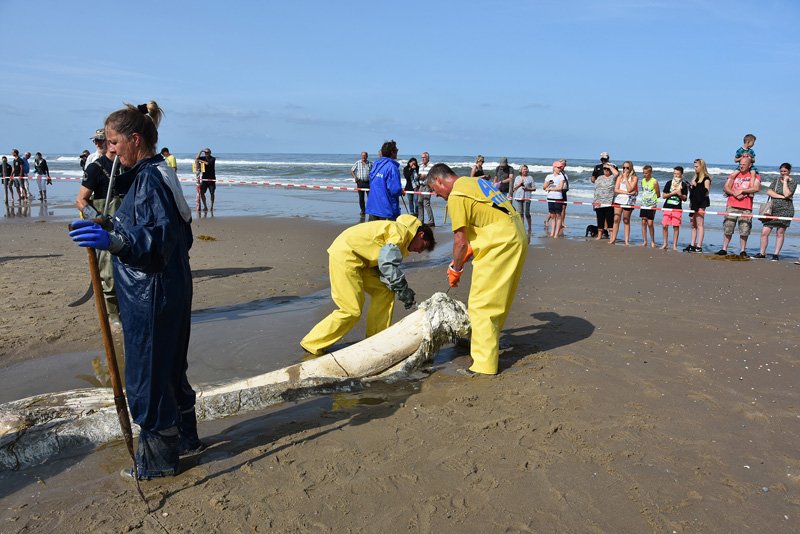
89, 234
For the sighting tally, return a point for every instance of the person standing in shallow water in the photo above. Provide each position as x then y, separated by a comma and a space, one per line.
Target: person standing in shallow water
150, 242
424, 200
411, 174
699, 200
360, 171
207, 163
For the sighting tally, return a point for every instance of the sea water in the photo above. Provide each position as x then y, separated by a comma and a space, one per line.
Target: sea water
291, 171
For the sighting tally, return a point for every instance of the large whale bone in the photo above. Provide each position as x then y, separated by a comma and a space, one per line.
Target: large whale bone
40, 427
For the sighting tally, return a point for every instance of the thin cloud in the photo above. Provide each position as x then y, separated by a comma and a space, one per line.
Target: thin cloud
224, 114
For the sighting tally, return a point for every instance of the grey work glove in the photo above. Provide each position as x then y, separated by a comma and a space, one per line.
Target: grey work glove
406, 296
389, 259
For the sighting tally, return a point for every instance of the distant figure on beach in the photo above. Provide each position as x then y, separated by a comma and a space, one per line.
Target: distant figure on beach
625, 190
42, 175
16, 173
150, 242
523, 187
503, 176
365, 260
82, 159
477, 169
360, 171
5, 172
604, 194
650, 195
781, 190
747, 150
26, 172
411, 174
675, 192
554, 185
562, 165
169, 158
740, 187
424, 200
208, 163
484, 224
699, 200
99, 140
385, 186
91, 202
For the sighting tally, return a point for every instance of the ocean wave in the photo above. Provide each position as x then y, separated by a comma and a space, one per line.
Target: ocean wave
246, 163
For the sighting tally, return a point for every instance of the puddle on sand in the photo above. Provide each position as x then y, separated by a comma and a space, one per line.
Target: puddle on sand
226, 344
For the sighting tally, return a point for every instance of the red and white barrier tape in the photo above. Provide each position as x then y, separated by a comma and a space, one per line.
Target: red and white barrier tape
593, 204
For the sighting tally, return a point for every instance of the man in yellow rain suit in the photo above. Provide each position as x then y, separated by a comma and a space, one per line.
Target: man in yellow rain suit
366, 259
484, 220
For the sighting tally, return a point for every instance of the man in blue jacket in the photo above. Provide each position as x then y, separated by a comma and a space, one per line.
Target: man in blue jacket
385, 187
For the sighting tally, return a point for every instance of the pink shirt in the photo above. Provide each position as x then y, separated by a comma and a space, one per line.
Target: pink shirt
743, 181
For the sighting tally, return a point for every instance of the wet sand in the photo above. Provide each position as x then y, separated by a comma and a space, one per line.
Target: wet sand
640, 391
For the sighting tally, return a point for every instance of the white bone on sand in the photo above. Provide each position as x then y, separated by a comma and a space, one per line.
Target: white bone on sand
40, 427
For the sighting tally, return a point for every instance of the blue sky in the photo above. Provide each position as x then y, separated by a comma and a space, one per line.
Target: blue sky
646, 80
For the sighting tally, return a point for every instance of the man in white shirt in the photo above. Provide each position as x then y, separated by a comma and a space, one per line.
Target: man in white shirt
424, 202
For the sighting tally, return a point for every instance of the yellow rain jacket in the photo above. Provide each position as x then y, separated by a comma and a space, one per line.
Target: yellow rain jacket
353, 267
500, 245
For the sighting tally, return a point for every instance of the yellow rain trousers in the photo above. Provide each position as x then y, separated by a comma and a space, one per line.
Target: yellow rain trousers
500, 250
353, 267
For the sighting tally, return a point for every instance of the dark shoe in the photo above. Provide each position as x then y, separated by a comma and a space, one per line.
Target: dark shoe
744, 255
759, 256
465, 371
775, 257
722, 253
699, 250
690, 248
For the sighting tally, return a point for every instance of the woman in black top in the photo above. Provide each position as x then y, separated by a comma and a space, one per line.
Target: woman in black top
477, 170
42, 172
698, 202
411, 172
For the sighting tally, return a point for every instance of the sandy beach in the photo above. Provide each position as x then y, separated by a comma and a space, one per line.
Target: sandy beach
640, 391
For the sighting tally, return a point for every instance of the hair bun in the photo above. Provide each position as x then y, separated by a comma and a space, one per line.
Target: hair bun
142, 109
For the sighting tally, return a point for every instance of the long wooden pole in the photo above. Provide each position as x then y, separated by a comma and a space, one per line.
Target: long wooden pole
113, 370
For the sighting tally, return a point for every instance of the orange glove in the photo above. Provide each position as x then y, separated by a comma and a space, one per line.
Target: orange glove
453, 275
469, 254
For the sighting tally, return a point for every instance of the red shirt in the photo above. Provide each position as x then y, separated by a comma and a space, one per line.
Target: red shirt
743, 181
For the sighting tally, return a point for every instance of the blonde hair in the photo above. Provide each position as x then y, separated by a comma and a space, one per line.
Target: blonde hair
480, 159
633, 171
702, 174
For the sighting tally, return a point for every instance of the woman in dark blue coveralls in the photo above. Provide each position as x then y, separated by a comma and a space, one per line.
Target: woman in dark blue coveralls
150, 243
